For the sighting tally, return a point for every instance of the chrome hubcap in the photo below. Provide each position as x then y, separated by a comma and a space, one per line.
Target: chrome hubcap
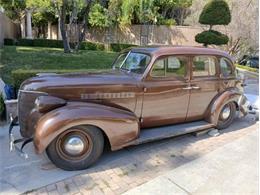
74, 145
226, 112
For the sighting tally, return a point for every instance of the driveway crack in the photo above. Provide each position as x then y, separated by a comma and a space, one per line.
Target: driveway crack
178, 186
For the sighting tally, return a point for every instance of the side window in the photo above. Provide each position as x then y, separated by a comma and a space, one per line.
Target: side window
159, 68
225, 67
204, 66
171, 66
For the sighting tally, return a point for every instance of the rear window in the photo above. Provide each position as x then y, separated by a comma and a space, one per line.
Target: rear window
204, 66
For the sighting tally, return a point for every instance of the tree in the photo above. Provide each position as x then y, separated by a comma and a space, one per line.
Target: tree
216, 12
176, 10
99, 17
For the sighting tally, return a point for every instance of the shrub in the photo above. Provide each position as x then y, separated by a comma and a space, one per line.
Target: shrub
2, 105
92, 46
211, 37
8, 41
216, 12
48, 43
168, 22
117, 47
247, 68
25, 42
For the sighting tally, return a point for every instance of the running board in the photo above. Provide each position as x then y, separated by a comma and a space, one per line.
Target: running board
158, 133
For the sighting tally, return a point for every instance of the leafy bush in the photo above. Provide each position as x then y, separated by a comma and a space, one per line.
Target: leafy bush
92, 46
48, 43
211, 37
9, 41
247, 68
117, 47
167, 22
99, 16
20, 75
2, 105
25, 42
216, 12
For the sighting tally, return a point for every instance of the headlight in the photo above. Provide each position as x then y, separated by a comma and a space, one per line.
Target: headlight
47, 103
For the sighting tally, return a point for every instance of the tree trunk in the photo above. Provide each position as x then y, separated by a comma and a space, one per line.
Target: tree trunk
59, 31
29, 24
66, 44
85, 25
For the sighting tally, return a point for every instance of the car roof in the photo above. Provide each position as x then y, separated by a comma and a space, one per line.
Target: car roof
166, 50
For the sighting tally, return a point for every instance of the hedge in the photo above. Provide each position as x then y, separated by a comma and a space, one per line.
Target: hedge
116, 47
20, 75
25, 42
92, 46
247, 68
8, 41
48, 43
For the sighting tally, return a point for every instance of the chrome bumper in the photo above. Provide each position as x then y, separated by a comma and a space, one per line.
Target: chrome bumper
13, 142
245, 107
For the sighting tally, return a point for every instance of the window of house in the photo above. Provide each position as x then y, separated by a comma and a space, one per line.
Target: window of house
171, 66
204, 66
225, 68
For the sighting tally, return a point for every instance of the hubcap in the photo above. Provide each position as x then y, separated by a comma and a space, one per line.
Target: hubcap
226, 113
74, 145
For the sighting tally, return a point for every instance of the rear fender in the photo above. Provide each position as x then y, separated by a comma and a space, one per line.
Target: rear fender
218, 103
119, 126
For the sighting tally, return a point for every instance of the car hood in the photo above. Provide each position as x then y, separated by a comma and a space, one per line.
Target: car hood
74, 81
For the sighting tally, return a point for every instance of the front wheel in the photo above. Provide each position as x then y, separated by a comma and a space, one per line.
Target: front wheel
76, 148
226, 115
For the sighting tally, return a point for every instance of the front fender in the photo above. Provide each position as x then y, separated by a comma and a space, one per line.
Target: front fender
120, 126
217, 104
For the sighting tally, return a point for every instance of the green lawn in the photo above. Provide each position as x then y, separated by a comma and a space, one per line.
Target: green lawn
43, 59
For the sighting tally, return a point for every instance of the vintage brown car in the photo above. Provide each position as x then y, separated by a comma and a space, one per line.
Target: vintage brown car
152, 93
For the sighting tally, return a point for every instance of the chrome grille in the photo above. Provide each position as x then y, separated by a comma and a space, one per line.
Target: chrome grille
26, 101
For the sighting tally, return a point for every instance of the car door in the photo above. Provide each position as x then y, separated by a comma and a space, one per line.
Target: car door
166, 92
204, 83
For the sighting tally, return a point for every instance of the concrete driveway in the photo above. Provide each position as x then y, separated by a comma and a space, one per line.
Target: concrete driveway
126, 168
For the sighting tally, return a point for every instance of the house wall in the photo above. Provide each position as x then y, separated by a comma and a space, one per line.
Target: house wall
8, 29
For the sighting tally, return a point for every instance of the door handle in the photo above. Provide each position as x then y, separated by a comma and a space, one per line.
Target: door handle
195, 87
187, 88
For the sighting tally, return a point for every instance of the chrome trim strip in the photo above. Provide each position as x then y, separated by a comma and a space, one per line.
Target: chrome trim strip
28, 91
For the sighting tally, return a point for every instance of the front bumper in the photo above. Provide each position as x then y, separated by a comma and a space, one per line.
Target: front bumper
13, 143
244, 106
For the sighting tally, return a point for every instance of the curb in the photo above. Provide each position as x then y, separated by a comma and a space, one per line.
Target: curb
247, 71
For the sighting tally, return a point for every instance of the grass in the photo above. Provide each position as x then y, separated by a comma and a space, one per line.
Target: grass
247, 68
46, 59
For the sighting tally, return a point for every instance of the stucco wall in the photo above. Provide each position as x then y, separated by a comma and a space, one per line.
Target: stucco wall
140, 34
8, 29
152, 34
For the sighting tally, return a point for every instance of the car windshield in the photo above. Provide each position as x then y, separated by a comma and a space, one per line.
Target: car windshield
132, 62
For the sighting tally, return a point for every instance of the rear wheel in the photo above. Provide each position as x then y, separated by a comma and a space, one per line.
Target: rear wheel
226, 115
76, 148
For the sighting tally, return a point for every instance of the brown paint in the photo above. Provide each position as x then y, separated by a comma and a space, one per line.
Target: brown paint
121, 103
